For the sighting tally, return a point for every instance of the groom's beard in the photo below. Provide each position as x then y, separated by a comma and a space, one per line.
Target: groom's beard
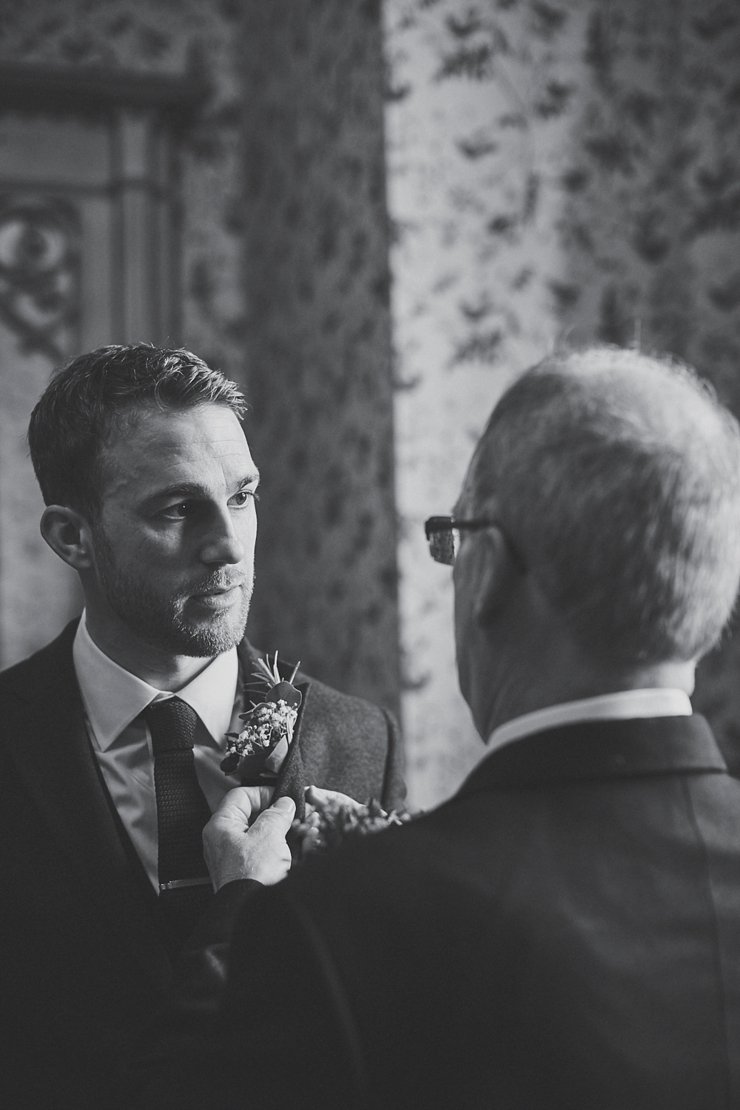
173, 622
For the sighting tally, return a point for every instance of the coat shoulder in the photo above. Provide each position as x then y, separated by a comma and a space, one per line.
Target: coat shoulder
348, 707
38, 687
43, 665
351, 745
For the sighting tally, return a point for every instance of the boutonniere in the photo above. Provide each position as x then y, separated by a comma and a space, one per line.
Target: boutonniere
265, 723
332, 818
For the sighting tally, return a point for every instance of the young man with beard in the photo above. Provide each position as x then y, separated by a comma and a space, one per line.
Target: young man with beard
150, 492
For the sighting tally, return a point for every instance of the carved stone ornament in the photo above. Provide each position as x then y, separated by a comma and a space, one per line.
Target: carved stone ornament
39, 271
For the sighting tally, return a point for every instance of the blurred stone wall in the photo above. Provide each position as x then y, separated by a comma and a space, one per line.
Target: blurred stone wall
556, 170
318, 339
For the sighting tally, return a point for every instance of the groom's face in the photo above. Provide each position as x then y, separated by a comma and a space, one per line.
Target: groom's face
173, 559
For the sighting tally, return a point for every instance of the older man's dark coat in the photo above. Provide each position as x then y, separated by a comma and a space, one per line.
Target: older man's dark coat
563, 934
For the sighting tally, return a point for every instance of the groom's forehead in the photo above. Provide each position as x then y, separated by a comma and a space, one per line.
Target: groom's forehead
158, 447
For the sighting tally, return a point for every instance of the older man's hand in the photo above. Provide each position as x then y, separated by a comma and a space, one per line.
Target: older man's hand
238, 845
321, 798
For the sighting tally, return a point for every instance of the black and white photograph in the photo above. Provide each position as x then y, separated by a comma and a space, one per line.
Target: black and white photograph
369, 554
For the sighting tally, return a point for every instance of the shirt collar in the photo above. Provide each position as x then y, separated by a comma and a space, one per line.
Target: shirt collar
113, 697
623, 705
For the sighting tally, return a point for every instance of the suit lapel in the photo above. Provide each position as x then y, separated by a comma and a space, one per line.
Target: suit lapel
601, 749
54, 756
291, 780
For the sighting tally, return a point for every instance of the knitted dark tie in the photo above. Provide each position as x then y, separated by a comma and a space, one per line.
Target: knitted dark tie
182, 811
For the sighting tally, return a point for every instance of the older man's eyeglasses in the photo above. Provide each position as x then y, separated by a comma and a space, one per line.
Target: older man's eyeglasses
443, 537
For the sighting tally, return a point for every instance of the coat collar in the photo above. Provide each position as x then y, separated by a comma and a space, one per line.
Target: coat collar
60, 713
600, 749
113, 697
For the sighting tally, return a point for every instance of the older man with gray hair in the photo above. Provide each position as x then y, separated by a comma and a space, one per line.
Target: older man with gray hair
565, 931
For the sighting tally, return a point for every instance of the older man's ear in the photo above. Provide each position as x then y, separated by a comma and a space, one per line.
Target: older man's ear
495, 574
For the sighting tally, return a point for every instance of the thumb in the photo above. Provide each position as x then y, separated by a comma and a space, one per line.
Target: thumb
241, 803
280, 815
236, 805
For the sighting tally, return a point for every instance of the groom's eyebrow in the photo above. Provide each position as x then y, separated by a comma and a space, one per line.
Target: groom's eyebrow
195, 489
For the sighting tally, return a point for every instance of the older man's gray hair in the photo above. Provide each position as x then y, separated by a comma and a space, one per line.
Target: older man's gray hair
617, 477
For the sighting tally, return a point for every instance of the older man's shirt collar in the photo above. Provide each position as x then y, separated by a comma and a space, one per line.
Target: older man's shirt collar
623, 705
113, 697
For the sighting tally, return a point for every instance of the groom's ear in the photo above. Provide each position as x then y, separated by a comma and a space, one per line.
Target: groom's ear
68, 534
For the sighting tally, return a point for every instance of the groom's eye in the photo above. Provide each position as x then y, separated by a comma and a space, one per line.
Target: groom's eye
178, 511
243, 497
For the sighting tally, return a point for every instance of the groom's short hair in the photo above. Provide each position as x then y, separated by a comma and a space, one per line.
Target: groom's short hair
617, 476
88, 399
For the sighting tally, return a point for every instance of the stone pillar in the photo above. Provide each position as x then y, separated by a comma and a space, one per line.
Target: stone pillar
317, 340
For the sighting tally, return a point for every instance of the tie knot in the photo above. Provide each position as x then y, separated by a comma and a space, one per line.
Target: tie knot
172, 724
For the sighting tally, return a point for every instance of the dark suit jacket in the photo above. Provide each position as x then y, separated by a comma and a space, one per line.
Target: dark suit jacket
82, 963
563, 933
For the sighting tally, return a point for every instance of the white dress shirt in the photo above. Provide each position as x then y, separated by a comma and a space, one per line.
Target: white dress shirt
621, 706
113, 700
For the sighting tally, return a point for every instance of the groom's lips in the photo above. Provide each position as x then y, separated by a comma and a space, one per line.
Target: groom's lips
219, 597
